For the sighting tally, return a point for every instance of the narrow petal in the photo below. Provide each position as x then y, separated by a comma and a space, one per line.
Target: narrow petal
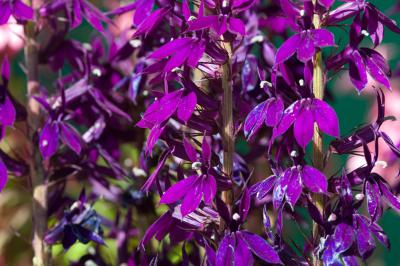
274, 112
186, 106
178, 190
373, 200
391, 199
357, 71
225, 251
236, 25
242, 254
306, 48
192, 198
71, 137
304, 127
190, 150
314, 180
3, 175
288, 118
294, 188
7, 112
365, 242
170, 48
260, 247
287, 49
206, 150
202, 23
323, 38
48, 141
209, 189
255, 119
326, 118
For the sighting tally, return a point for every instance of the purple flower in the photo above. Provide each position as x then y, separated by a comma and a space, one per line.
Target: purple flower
287, 185
305, 44
80, 222
303, 114
16, 8
181, 51
195, 187
268, 112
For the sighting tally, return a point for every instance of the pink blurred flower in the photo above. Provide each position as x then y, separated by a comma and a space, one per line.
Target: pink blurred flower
11, 38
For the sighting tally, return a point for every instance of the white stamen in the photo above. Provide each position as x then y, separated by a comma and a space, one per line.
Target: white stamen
257, 38
383, 164
359, 196
192, 18
236, 216
176, 70
90, 263
45, 143
138, 172
196, 165
294, 153
301, 82
91, 251
365, 33
302, 12
265, 83
96, 72
87, 46
135, 43
224, 3
332, 217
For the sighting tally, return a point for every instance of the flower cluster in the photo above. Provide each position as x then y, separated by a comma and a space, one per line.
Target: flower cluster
195, 78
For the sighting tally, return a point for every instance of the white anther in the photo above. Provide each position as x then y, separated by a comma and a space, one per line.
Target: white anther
383, 164
236, 216
365, 33
302, 12
91, 251
265, 83
87, 46
359, 196
45, 143
138, 171
301, 82
176, 70
196, 165
257, 38
224, 3
135, 43
192, 18
332, 217
96, 72
294, 153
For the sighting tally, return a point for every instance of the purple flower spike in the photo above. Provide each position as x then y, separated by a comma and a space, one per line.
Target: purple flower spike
303, 114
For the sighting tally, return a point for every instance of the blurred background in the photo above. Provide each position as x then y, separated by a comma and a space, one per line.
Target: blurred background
352, 109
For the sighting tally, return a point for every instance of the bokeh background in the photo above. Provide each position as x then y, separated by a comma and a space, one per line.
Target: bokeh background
352, 109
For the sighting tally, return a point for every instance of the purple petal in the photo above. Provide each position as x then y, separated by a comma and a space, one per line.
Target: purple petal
150, 22
152, 178
190, 150
143, 10
5, 69
5, 12
206, 150
202, 23
288, 118
304, 127
186, 106
294, 188
171, 48
178, 190
209, 189
344, 237
255, 119
236, 25
326, 118
185, 9
314, 180
7, 112
287, 49
192, 198
225, 251
262, 188
196, 54
153, 137
22, 11
357, 71
326, 3
177, 59
391, 199
260, 247
377, 73
3, 175
274, 112
48, 141
373, 200
365, 242
280, 188
163, 222
244, 205
323, 38
306, 48
243, 254
71, 137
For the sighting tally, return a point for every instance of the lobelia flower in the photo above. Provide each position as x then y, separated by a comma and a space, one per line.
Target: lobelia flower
361, 60
303, 114
161, 110
195, 187
287, 185
181, 51
225, 20
268, 112
16, 8
237, 246
305, 44
80, 222
75, 10
54, 130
